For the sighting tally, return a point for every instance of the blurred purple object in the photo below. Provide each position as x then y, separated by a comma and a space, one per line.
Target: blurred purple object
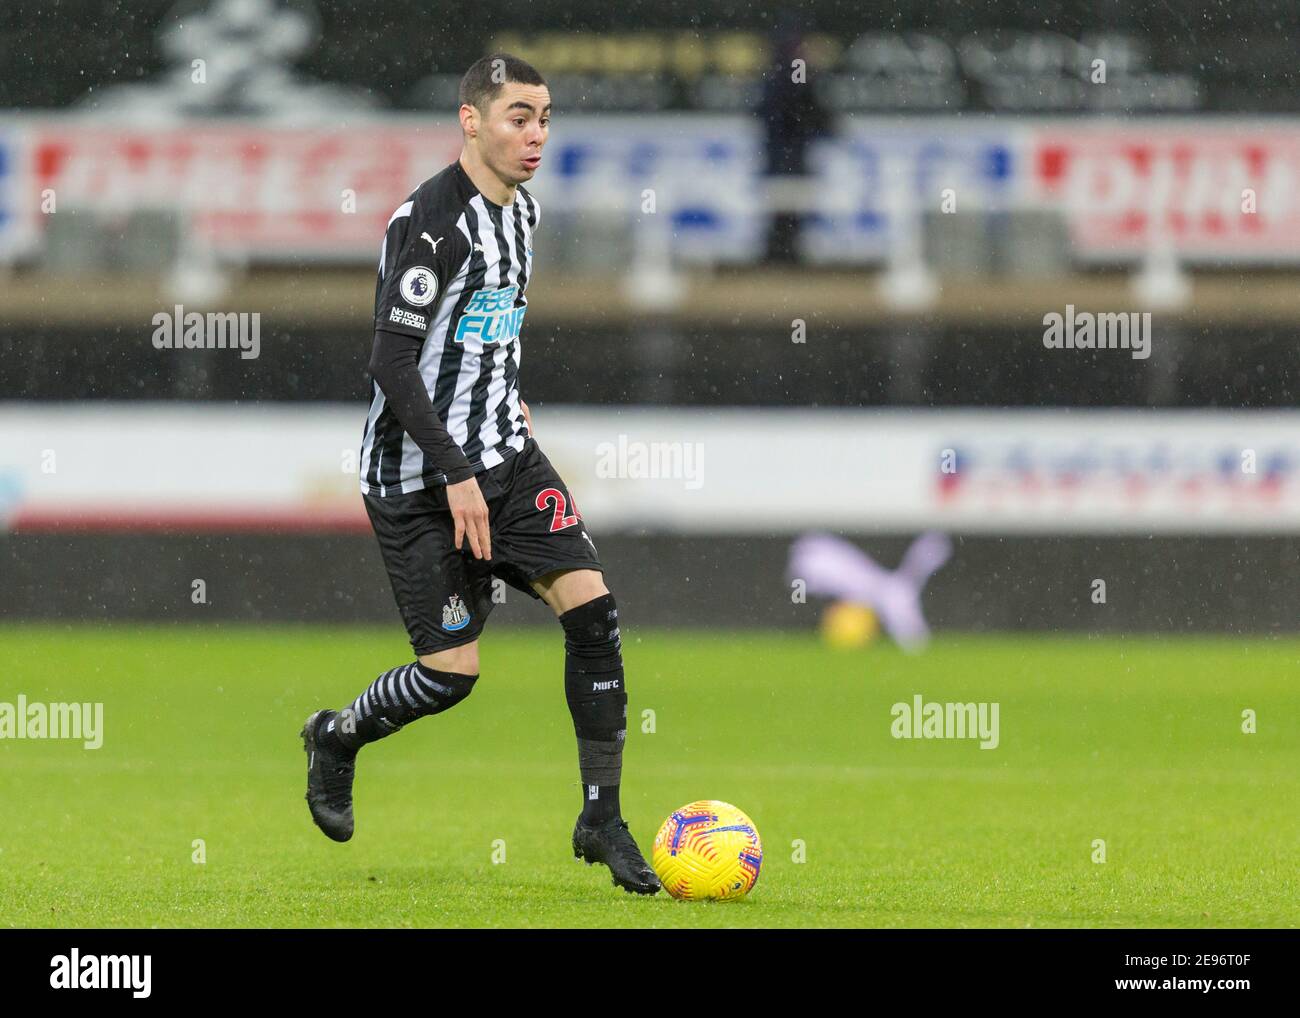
832, 567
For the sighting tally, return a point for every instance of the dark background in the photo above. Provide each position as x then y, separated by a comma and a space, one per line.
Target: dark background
53, 51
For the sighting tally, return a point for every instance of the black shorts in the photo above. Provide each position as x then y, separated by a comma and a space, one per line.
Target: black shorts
445, 595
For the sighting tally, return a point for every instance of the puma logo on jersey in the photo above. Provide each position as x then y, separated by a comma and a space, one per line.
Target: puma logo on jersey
432, 243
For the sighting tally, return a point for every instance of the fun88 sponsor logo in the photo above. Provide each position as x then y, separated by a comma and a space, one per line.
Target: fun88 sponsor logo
491, 317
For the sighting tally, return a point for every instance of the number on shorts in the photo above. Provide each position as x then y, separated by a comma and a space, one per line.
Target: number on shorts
558, 520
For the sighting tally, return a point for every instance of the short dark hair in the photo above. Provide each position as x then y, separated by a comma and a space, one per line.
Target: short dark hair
482, 82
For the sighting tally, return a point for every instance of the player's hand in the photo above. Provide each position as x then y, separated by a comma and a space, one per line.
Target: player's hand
528, 418
470, 512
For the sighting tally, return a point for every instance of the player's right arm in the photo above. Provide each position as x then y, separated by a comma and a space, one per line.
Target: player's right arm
420, 257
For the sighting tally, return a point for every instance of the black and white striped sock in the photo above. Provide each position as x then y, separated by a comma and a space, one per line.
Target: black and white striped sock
395, 699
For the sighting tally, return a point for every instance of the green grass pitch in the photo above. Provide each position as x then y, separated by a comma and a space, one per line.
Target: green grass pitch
1138, 742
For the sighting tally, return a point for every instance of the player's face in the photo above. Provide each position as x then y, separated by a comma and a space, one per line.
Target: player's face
515, 130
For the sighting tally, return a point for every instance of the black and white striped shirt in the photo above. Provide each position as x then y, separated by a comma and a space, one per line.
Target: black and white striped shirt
452, 271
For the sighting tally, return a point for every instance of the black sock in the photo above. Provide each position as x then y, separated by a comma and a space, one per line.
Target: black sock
395, 699
597, 697
601, 806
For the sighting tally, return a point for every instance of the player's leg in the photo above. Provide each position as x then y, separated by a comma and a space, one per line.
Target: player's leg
596, 691
392, 701
429, 685
541, 545
594, 684
444, 600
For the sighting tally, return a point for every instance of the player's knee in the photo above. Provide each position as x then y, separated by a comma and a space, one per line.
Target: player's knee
435, 691
450, 688
462, 660
593, 672
591, 632
566, 589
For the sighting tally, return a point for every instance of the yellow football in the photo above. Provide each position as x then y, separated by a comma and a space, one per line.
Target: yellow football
708, 851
